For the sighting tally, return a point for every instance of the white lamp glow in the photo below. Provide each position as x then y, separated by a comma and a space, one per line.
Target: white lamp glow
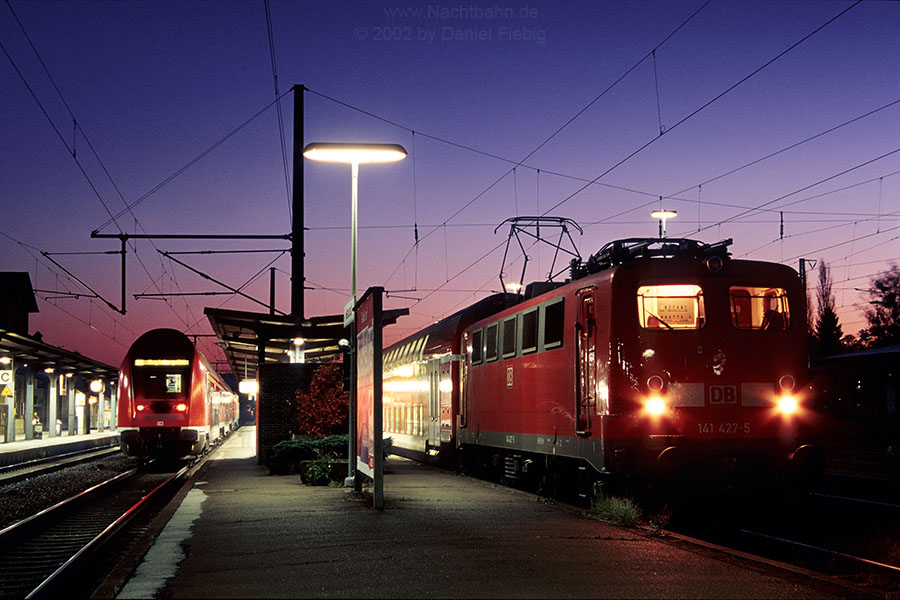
355, 155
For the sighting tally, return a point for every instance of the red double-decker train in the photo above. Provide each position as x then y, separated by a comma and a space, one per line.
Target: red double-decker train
660, 359
171, 402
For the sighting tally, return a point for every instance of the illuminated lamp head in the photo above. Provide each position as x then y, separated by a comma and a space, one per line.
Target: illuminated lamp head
181, 407
140, 407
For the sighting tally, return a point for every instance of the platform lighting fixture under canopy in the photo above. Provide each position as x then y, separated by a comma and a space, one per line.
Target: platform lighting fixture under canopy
663, 216
354, 155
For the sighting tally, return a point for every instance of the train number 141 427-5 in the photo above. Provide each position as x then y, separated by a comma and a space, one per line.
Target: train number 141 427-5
723, 428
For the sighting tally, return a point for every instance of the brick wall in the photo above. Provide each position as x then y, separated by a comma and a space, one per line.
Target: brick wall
278, 385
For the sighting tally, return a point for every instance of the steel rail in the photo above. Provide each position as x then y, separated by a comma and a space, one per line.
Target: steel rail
48, 464
891, 569
50, 585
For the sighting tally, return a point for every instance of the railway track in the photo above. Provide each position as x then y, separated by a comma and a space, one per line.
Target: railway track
31, 468
847, 538
66, 550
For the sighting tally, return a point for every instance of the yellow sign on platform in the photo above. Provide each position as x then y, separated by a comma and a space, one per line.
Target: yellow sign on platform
7, 381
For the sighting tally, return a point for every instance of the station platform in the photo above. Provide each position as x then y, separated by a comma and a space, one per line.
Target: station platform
239, 532
23, 450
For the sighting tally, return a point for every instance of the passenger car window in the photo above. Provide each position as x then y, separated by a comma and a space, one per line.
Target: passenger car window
759, 308
671, 306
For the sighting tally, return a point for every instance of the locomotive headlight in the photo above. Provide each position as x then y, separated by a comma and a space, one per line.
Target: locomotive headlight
655, 405
181, 407
787, 405
140, 407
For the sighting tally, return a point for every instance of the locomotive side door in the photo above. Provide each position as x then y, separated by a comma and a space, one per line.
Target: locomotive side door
433, 433
585, 361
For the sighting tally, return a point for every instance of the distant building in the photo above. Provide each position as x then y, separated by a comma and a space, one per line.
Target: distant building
16, 302
857, 394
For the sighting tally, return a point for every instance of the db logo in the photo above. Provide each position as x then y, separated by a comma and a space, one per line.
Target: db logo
723, 394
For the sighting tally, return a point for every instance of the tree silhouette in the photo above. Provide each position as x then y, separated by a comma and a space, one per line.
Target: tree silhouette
828, 333
324, 409
883, 313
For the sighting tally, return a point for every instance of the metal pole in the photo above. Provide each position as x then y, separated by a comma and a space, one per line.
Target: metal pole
298, 277
354, 184
124, 249
272, 290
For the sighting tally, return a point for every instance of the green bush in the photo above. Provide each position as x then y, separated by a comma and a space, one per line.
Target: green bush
297, 450
322, 471
621, 511
287, 455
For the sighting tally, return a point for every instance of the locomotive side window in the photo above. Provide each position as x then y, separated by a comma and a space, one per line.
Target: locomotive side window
759, 308
477, 346
529, 331
554, 324
671, 307
490, 342
509, 337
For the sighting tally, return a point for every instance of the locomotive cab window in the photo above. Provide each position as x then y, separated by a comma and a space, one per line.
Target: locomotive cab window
671, 306
529, 331
509, 337
759, 308
477, 346
490, 342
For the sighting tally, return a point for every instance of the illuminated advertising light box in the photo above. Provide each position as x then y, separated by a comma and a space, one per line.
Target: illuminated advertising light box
369, 453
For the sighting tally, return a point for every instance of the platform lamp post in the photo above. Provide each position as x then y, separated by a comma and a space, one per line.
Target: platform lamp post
355, 155
663, 216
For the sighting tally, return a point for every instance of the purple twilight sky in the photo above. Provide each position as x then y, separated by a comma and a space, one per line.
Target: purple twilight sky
506, 109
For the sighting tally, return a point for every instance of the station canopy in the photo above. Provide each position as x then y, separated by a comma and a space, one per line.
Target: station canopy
33, 351
249, 338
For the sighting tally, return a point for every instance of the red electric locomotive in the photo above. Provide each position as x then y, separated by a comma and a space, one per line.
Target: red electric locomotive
171, 402
659, 358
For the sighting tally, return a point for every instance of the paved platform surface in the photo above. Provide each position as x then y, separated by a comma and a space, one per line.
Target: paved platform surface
23, 450
242, 533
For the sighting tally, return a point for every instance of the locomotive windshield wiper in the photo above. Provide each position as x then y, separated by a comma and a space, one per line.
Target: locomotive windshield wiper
661, 321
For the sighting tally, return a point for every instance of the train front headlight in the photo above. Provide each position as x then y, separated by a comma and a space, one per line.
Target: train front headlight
787, 404
181, 407
140, 407
655, 405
